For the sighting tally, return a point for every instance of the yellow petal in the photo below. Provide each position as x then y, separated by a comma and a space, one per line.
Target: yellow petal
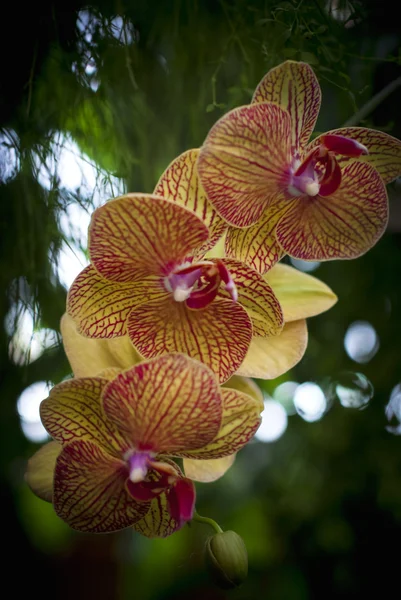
241, 419
299, 294
91, 356
73, 412
247, 386
269, 358
39, 474
207, 470
101, 307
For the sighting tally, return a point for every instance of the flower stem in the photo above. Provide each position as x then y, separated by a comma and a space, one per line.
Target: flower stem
209, 521
372, 103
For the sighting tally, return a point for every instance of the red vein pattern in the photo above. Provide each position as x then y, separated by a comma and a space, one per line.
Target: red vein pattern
138, 235
180, 183
384, 150
100, 307
157, 523
218, 335
89, 490
73, 411
345, 224
257, 298
165, 405
241, 419
257, 245
244, 160
293, 85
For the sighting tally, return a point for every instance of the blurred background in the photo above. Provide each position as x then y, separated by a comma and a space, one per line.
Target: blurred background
97, 99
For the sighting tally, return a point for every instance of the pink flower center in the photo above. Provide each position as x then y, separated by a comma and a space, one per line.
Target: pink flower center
198, 284
320, 173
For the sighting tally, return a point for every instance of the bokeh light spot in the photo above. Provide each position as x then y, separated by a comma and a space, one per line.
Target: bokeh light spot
274, 422
361, 341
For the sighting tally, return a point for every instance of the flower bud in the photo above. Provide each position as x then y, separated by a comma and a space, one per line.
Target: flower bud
227, 559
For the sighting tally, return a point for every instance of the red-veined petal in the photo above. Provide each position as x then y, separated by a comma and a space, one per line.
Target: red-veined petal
90, 356
241, 418
207, 470
269, 358
300, 295
344, 225
257, 298
100, 307
39, 473
158, 522
180, 183
294, 86
244, 161
73, 412
138, 235
89, 490
257, 245
167, 404
218, 335
384, 150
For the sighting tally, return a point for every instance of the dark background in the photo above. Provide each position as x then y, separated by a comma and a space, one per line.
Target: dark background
320, 508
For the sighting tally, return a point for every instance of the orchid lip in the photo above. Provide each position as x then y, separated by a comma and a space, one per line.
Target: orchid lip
198, 284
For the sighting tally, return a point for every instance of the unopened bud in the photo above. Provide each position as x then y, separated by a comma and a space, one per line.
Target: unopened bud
227, 559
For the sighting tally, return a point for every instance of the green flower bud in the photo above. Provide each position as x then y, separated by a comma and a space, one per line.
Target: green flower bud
227, 559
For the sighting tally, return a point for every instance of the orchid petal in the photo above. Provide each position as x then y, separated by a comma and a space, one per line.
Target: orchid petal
138, 235
39, 474
269, 358
247, 386
300, 295
100, 307
384, 150
167, 404
294, 86
244, 161
180, 183
90, 356
207, 470
257, 298
344, 225
73, 412
257, 245
89, 490
158, 522
218, 335
241, 419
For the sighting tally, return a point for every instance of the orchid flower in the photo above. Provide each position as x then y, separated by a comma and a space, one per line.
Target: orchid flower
149, 279
113, 439
90, 357
280, 194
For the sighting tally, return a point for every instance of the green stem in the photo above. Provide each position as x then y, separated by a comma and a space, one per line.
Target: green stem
372, 103
209, 521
